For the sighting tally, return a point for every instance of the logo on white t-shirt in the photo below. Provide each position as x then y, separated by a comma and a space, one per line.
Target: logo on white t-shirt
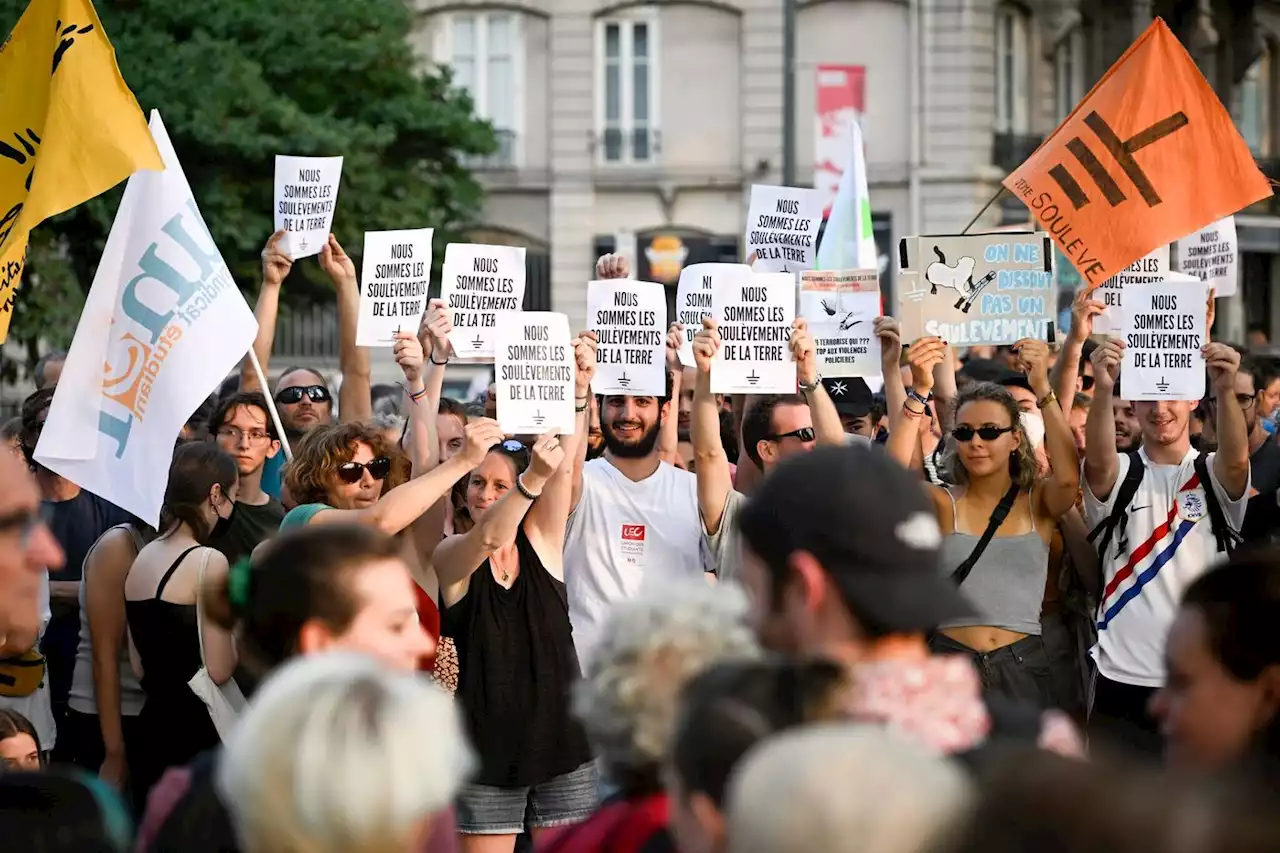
1191, 506
633, 544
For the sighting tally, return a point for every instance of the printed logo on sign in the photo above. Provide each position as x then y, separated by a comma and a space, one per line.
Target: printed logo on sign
1122, 151
128, 381
1191, 506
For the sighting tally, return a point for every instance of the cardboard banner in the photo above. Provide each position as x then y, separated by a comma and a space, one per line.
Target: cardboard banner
1212, 254
630, 322
306, 196
972, 289
693, 298
782, 228
755, 318
841, 307
1149, 156
394, 277
477, 284
535, 371
1150, 268
1163, 327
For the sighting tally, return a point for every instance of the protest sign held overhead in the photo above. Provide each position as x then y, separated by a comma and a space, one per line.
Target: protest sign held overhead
841, 307
535, 371
478, 283
630, 321
1151, 267
1147, 157
978, 289
1212, 254
163, 325
65, 108
782, 228
755, 315
1162, 324
693, 298
306, 196
395, 275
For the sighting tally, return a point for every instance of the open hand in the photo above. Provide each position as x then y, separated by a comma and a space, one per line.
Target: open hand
276, 262
482, 434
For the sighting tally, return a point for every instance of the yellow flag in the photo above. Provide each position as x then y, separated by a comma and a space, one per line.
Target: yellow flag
70, 129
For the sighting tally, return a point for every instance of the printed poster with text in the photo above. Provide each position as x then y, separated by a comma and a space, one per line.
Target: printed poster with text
395, 275
841, 307
693, 298
535, 371
630, 321
977, 289
1149, 268
477, 284
1213, 255
1162, 323
755, 317
782, 228
306, 196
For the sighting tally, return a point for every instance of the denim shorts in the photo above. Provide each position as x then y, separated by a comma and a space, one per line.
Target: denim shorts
567, 799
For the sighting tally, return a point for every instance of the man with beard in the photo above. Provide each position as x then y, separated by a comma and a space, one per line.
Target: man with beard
595, 435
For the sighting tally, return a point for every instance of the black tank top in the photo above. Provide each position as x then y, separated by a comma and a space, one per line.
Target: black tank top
516, 664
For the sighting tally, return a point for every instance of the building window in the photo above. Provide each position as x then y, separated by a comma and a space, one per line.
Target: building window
627, 84
1013, 69
483, 49
1251, 105
1068, 73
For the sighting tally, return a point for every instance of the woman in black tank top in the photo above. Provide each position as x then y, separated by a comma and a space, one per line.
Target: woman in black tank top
502, 587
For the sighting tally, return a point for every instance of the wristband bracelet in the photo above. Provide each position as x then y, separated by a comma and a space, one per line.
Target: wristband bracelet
432, 357
911, 413
524, 491
918, 397
579, 409
418, 396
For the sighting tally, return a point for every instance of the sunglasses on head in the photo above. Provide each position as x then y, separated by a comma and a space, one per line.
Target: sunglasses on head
805, 434
295, 393
352, 472
986, 433
511, 445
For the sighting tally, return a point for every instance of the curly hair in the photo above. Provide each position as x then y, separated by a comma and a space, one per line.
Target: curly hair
1022, 465
316, 459
650, 647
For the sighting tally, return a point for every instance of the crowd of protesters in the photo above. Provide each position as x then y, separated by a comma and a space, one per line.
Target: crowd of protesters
996, 603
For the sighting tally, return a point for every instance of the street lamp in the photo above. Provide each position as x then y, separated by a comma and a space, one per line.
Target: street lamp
788, 92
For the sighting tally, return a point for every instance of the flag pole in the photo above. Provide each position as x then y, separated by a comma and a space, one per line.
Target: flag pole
990, 202
271, 405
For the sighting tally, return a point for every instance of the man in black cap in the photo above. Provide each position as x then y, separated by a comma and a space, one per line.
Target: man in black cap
855, 405
840, 557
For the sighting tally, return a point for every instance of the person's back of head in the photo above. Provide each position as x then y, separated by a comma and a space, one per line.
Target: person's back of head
842, 787
62, 812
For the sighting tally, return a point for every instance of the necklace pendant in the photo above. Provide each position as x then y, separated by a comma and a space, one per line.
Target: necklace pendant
505, 577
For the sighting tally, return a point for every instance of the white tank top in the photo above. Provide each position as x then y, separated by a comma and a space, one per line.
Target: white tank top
82, 696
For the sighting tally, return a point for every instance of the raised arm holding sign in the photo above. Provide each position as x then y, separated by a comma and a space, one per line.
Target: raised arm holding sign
535, 370
306, 196
630, 321
755, 319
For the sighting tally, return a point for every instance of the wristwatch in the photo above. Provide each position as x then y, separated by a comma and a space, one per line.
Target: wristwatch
810, 387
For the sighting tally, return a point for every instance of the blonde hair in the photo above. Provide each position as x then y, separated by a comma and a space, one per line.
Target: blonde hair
652, 646
1024, 458
340, 755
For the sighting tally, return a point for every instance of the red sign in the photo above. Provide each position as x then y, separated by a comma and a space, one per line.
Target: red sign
839, 98
633, 532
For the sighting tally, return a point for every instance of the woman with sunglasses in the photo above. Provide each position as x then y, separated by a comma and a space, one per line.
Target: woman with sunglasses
505, 606
998, 519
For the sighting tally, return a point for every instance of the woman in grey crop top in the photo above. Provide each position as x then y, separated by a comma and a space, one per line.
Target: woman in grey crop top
990, 459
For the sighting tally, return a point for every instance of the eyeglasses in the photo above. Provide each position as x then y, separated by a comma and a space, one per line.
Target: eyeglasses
1246, 400
805, 434
986, 433
295, 393
26, 522
235, 435
353, 472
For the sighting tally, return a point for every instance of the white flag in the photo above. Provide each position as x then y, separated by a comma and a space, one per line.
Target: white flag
163, 325
848, 242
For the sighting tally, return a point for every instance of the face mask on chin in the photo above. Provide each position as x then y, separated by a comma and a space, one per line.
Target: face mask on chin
222, 525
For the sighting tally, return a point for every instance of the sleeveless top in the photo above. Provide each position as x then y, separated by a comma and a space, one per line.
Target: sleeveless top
168, 641
516, 665
1006, 585
83, 700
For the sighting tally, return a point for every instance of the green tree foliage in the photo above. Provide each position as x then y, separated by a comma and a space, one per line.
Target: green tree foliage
239, 81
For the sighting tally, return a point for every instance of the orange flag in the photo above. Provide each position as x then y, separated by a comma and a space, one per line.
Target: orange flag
1150, 155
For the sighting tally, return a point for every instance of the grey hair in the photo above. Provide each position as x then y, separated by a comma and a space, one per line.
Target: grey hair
387, 421
652, 645
1026, 457
338, 754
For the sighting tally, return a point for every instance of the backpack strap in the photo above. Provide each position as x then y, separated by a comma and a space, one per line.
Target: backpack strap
1226, 537
1119, 517
1001, 512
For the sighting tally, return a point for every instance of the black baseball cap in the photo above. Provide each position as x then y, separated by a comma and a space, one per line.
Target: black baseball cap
851, 396
867, 520
988, 370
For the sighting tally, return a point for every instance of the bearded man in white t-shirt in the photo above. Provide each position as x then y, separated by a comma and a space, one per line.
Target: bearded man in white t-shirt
635, 517
1168, 538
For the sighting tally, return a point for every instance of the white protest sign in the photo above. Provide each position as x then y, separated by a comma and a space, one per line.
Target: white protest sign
755, 317
782, 228
841, 307
535, 369
395, 274
1150, 268
630, 321
306, 195
1162, 323
1213, 255
477, 284
693, 298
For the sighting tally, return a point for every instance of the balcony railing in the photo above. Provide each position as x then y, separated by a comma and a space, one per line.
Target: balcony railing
1010, 150
501, 159
635, 147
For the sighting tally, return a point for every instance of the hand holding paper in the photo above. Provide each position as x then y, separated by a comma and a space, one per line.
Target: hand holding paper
706, 344
1033, 360
482, 434
337, 264
1222, 362
435, 329
1106, 364
584, 356
408, 353
544, 459
923, 356
890, 336
276, 262
675, 339
1083, 310
804, 352
612, 266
